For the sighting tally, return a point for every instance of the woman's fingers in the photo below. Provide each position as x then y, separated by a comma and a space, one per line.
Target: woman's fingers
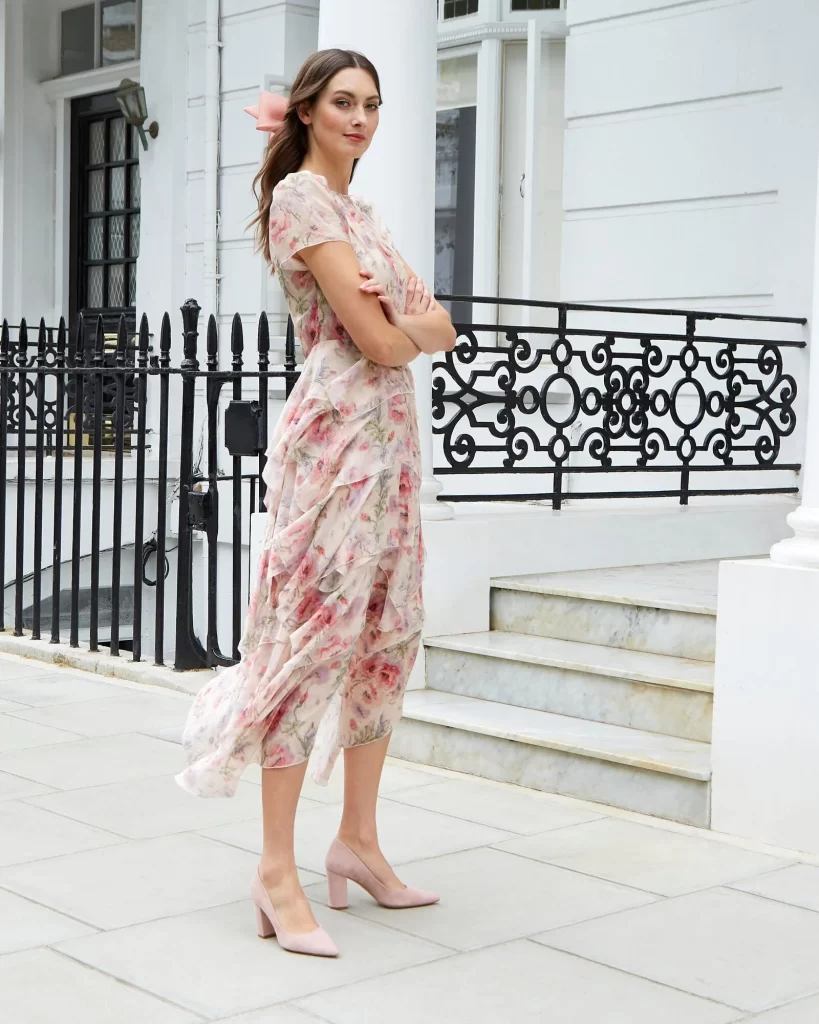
389, 308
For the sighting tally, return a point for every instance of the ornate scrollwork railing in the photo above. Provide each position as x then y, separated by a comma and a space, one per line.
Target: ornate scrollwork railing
580, 399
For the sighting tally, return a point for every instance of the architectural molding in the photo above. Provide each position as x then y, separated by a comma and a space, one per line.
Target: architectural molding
503, 30
86, 83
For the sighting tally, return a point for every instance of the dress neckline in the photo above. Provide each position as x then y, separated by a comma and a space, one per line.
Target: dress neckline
325, 182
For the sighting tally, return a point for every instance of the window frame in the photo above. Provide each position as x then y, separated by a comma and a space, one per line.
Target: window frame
442, 20
98, 6
535, 10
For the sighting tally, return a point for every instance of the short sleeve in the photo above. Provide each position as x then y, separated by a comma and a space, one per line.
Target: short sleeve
303, 213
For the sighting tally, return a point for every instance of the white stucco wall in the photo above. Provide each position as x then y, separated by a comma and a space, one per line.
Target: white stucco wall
690, 160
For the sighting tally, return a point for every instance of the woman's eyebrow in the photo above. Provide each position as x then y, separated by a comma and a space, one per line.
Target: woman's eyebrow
346, 92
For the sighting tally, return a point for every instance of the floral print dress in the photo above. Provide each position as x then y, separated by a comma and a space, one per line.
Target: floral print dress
334, 622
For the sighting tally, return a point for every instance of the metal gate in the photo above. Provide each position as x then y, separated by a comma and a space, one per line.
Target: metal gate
204, 486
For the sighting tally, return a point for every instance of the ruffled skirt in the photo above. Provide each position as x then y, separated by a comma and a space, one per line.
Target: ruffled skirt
335, 617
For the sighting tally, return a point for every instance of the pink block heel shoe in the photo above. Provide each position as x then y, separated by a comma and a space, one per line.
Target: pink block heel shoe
314, 943
343, 864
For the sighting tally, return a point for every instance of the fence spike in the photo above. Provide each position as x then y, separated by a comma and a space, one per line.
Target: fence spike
165, 342
122, 341
263, 338
144, 341
213, 343
237, 341
190, 326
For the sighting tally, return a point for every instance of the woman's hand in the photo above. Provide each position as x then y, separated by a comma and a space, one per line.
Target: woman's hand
418, 301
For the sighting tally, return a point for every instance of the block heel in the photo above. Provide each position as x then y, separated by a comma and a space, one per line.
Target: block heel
337, 889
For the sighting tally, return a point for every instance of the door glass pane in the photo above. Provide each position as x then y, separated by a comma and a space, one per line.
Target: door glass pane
116, 282
94, 287
94, 238
455, 206
457, 82
96, 142
117, 188
135, 234
96, 191
119, 40
135, 190
118, 139
77, 40
116, 238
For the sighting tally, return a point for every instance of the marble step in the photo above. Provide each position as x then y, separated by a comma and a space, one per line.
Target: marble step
658, 609
652, 692
608, 764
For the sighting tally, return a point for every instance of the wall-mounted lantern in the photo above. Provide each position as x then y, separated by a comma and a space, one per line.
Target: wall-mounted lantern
131, 99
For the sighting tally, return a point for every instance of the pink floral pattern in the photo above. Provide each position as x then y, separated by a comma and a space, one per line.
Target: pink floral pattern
334, 623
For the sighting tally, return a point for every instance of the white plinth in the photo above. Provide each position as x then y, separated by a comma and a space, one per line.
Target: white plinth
766, 705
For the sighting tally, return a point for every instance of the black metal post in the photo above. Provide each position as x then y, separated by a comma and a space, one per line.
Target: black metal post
39, 451
237, 348
162, 488
59, 453
96, 488
263, 348
139, 512
20, 540
119, 454
189, 652
4, 411
76, 522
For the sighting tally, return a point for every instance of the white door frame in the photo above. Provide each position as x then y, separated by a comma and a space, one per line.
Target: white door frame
60, 92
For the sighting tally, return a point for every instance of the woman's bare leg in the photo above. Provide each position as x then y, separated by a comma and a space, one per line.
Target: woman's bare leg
280, 796
362, 775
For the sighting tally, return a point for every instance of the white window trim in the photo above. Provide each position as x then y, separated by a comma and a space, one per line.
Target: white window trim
61, 91
97, 5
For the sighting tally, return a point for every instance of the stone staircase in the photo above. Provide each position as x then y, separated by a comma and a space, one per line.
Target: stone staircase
595, 684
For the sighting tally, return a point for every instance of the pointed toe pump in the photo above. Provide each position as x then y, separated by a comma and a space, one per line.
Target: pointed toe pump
314, 943
343, 864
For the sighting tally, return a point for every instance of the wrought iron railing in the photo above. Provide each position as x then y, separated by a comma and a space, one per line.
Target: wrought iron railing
28, 413
84, 542
590, 392
569, 400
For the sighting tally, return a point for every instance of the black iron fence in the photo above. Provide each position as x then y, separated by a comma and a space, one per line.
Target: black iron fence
127, 483
83, 537
599, 392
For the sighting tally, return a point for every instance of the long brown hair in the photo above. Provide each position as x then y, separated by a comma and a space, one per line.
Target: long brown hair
287, 149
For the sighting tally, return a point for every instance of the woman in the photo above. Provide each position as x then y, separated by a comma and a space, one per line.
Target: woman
334, 625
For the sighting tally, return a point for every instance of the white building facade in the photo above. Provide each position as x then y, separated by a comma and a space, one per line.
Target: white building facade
653, 154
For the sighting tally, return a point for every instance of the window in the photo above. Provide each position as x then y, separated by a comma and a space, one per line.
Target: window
455, 180
459, 8
105, 230
99, 34
535, 5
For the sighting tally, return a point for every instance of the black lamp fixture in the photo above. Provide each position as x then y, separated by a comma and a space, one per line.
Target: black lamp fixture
131, 98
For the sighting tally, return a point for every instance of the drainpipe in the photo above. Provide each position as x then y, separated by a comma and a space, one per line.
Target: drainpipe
211, 211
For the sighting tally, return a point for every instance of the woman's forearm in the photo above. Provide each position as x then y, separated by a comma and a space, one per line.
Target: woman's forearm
400, 349
431, 332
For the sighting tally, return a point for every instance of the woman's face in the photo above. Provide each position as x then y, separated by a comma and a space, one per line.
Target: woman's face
345, 115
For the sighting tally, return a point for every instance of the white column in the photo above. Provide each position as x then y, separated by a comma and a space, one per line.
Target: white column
531, 183
487, 175
398, 172
803, 548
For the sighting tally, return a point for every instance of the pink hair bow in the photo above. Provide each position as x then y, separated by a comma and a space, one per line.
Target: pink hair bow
269, 113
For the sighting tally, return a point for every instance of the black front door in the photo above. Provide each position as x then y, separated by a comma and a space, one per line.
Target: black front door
105, 193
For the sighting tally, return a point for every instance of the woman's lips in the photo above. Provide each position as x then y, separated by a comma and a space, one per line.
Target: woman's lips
355, 136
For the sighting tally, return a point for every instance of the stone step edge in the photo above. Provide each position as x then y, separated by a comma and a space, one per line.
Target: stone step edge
418, 707
657, 603
465, 643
